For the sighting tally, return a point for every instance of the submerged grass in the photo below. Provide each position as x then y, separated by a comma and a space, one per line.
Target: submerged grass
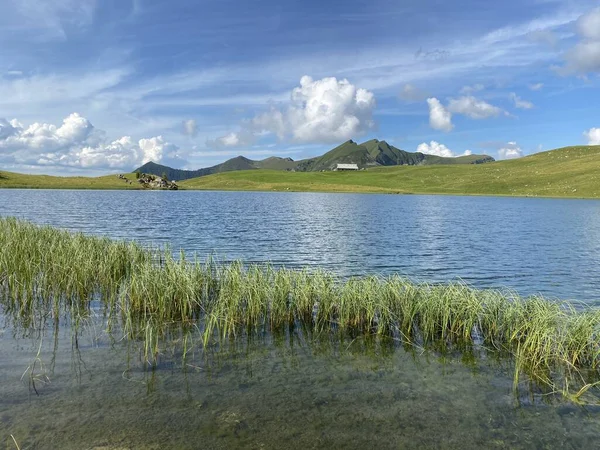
150, 294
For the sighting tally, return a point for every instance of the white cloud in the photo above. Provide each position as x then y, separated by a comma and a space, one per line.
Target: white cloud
158, 150
36, 91
319, 111
437, 149
545, 37
470, 89
247, 153
519, 102
584, 57
190, 128
510, 151
240, 139
231, 140
329, 110
439, 117
412, 93
8, 129
536, 86
588, 25
78, 144
121, 153
473, 107
51, 17
592, 135
48, 137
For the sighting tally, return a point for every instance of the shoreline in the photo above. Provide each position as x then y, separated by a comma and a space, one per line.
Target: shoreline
183, 188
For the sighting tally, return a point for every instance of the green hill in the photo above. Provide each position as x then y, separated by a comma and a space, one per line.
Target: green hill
372, 153
24, 181
565, 172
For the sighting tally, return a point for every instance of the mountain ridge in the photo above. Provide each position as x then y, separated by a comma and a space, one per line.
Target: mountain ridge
371, 153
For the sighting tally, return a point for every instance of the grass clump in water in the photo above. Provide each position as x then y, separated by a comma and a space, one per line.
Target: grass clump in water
45, 271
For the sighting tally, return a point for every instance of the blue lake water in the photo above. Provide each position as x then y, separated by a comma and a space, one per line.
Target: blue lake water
546, 246
88, 385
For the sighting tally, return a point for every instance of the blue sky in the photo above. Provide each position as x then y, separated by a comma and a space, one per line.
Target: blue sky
93, 87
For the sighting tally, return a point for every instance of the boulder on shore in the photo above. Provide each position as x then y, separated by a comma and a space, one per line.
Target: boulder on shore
149, 181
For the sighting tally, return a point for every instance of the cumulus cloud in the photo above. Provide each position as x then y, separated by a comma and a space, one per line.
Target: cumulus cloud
584, 57
240, 139
190, 128
588, 25
78, 144
439, 117
8, 129
536, 86
157, 149
319, 111
437, 149
593, 136
473, 107
412, 93
519, 102
510, 151
231, 140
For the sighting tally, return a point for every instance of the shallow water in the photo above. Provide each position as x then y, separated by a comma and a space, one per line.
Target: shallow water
286, 391
547, 246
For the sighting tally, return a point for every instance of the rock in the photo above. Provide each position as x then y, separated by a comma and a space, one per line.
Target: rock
149, 181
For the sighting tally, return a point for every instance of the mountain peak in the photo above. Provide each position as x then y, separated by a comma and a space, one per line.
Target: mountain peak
372, 142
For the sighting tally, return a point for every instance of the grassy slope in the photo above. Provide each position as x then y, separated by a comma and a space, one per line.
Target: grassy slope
275, 163
18, 180
566, 172
435, 160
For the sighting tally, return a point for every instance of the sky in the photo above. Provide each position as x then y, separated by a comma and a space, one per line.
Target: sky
92, 87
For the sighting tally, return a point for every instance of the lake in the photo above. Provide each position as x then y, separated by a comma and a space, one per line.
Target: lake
546, 246
67, 385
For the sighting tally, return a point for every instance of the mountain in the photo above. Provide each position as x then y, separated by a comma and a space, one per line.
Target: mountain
233, 164
372, 153
379, 153
368, 154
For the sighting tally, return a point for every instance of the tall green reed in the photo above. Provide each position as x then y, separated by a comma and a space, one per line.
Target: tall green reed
150, 294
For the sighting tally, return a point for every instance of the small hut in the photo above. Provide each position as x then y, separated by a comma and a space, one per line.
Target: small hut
346, 167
